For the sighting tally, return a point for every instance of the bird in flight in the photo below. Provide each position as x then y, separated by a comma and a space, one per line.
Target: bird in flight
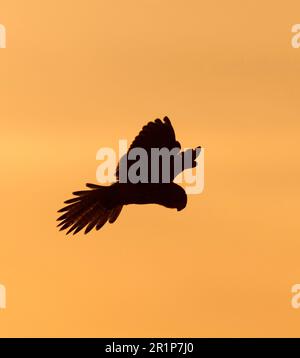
94, 207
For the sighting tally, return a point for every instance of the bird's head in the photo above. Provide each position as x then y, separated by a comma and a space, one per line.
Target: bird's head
181, 198
173, 197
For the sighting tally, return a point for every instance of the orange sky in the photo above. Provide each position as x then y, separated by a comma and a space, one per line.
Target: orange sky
79, 75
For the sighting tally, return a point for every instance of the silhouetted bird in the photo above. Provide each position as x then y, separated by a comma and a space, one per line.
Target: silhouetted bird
93, 208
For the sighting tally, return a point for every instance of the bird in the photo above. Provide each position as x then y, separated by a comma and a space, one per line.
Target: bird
100, 204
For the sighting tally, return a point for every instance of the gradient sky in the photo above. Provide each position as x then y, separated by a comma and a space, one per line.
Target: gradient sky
80, 75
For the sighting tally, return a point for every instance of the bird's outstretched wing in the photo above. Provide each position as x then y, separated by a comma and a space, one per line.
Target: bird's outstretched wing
158, 134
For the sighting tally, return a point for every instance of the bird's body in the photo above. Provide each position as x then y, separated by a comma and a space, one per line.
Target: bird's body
93, 208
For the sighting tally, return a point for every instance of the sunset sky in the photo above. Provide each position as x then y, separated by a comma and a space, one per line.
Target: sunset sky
80, 75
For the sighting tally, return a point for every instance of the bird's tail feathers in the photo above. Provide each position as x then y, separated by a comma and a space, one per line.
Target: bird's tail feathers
88, 209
